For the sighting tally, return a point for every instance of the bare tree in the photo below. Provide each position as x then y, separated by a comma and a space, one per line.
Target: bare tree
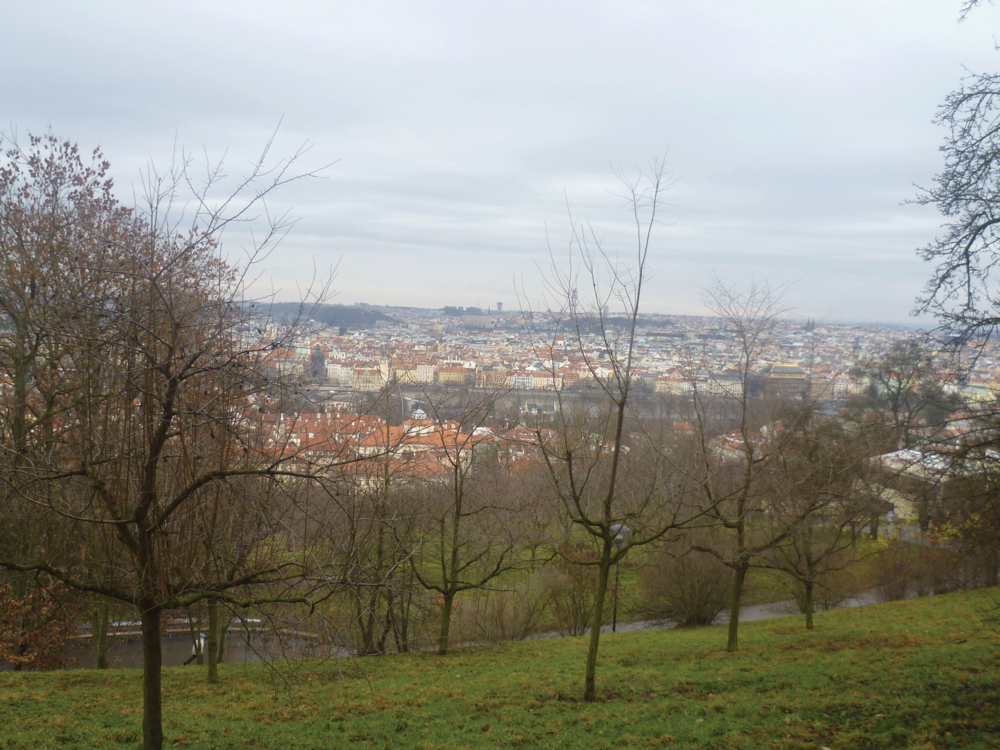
683, 584
820, 492
967, 6
615, 484
386, 492
471, 530
962, 291
53, 201
731, 464
138, 413
902, 382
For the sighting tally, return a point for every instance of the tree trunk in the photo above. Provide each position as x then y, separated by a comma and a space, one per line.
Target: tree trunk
388, 626
449, 601
152, 696
199, 646
100, 619
400, 623
614, 617
873, 527
809, 604
369, 624
194, 627
451, 575
590, 681
212, 645
734, 608
992, 558
366, 623
223, 636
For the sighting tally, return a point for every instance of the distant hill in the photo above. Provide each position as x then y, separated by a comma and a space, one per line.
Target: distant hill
351, 316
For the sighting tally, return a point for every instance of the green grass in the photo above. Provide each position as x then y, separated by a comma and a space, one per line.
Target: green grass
915, 674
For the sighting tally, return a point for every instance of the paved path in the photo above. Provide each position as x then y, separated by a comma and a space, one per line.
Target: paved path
786, 608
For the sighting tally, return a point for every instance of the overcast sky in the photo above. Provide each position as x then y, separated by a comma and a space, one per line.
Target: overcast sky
461, 130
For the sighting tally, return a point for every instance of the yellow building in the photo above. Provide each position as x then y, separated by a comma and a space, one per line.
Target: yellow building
366, 379
456, 376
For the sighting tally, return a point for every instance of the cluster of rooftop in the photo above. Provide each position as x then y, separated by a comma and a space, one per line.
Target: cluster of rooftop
539, 351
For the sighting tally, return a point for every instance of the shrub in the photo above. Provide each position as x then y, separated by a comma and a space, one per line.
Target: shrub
572, 587
895, 569
834, 586
685, 585
35, 626
511, 613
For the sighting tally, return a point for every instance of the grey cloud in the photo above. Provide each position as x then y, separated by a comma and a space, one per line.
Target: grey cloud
462, 129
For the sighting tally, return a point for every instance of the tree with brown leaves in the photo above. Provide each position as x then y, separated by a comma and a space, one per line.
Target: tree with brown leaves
135, 462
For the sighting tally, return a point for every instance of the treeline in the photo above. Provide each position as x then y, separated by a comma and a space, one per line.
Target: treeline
351, 317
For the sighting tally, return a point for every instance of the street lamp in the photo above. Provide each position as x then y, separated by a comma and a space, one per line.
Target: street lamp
621, 531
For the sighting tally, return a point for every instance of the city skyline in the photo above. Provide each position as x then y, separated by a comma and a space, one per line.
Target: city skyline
454, 141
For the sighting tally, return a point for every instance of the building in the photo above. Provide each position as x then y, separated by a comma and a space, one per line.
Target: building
456, 376
783, 379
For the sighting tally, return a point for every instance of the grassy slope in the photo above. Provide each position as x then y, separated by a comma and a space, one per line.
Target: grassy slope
910, 674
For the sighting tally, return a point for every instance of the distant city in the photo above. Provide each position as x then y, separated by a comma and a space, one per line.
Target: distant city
363, 347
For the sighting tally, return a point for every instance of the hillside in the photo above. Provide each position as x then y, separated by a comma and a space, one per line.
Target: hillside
919, 673
351, 317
